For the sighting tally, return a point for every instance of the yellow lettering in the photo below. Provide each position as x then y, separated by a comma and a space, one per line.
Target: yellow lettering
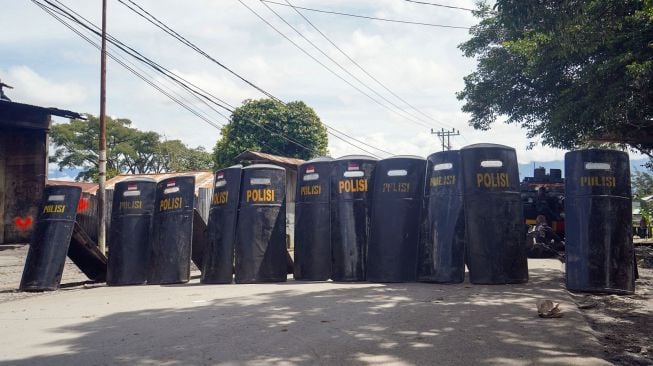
492, 180
126, 205
352, 186
170, 203
259, 195
602, 181
54, 208
310, 190
219, 198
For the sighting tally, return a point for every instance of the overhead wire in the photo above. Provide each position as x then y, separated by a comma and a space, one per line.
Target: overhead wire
440, 5
363, 69
117, 59
157, 67
323, 65
180, 38
161, 25
370, 17
176, 99
155, 21
410, 118
186, 84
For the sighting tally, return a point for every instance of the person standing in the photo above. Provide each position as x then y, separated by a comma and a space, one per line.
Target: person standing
643, 228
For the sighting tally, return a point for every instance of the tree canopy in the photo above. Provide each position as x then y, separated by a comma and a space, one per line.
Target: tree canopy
642, 183
129, 150
570, 72
265, 125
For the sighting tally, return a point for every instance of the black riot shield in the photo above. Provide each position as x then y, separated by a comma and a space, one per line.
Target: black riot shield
442, 246
496, 240
351, 187
131, 225
599, 246
261, 228
49, 244
218, 263
312, 221
172, 231
395, 219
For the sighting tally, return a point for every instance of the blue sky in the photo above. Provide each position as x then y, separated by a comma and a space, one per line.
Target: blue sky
51, 66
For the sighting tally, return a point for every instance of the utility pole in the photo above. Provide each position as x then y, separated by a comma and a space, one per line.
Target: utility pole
102, 166
442, 134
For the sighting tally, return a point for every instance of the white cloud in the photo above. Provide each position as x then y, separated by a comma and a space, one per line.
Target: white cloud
30, 87
51, 66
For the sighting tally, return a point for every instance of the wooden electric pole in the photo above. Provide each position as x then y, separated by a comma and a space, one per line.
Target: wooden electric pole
102, 166
442, 134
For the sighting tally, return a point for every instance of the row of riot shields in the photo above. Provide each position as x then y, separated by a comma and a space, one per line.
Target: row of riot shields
246, 229
247, 226
403, 218
399, 219
149, 241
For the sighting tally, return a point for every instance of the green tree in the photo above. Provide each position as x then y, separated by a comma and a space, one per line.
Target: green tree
176, 156
642, 184
261, 125
129, 150
569, 72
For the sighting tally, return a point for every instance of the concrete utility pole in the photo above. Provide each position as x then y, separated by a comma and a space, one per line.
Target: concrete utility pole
442, 134
102, 166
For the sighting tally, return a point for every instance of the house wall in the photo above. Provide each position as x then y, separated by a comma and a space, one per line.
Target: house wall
23, 173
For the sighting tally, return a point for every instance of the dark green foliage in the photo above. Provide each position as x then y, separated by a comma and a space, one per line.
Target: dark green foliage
570, 72
129, 150
642, 183
294, 120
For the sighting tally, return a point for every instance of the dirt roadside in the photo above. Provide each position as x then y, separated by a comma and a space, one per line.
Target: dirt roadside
12, 260
624, 324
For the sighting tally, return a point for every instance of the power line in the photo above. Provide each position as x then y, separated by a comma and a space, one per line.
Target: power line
157, 67
362, 68
152, 19
371, 18
159, 24
417, 121
440, 5
181, 102
188, 43
160, 69
322, 64
51, 12
448, 134
139, 56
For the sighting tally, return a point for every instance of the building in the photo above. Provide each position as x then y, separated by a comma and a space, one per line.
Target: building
23, 166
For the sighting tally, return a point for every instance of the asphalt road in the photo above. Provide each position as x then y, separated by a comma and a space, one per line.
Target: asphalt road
299, 323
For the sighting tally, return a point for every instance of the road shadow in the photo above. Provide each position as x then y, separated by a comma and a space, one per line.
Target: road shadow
288, 324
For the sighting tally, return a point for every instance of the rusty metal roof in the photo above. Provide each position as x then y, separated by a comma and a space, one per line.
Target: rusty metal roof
85, 186
259, 157
203, 178
21, 108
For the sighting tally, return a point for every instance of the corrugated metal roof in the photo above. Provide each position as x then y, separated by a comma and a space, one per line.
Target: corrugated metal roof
260, 157
85, 186
26, 108
203, 179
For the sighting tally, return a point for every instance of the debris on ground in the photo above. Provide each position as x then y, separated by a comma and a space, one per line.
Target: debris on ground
548, 309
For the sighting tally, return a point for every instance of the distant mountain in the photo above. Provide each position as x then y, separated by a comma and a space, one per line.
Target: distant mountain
526, 169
